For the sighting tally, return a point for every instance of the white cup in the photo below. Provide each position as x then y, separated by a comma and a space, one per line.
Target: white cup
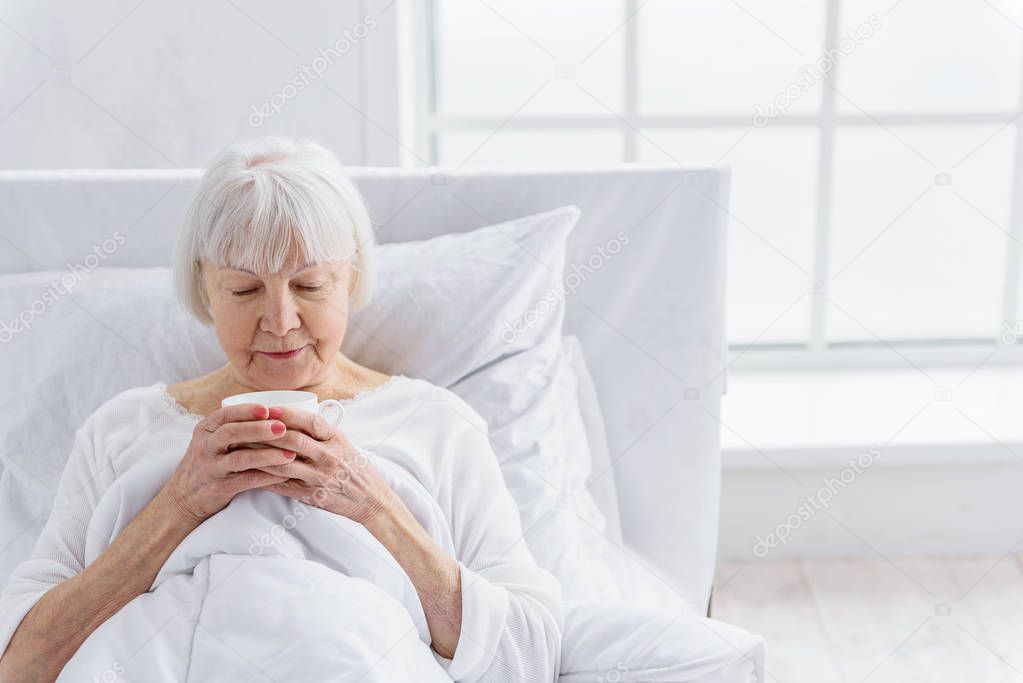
333, 411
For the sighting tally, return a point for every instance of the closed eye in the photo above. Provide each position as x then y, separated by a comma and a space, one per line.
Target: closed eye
304, 288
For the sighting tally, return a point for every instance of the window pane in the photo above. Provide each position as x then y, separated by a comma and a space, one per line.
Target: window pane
943, 55
528, 148
495, 57
709, 56
916, 253
770, 237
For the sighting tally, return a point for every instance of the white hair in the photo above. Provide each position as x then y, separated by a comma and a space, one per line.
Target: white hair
260, 199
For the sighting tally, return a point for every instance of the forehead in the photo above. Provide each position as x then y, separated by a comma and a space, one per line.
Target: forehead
288, 270
291, 268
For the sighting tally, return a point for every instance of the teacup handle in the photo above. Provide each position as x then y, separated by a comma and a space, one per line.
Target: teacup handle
333, 411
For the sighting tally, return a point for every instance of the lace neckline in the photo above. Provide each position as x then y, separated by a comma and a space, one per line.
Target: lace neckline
181, 411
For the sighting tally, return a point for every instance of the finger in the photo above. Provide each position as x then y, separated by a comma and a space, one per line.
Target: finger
252, 479
302, 471
254, 458
253, 431
303, 444
237, 413
312, 423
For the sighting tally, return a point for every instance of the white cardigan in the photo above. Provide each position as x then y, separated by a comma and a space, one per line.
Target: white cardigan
511, 609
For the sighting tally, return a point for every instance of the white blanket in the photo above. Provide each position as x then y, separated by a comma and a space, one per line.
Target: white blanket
268, 589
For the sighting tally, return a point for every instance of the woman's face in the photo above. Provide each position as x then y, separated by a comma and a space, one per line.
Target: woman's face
301, 308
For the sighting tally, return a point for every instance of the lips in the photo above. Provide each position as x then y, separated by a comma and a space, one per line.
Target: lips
283, 355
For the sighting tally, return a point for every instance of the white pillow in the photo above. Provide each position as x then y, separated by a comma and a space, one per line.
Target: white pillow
443, 305
439, 313
600, 481
530, 403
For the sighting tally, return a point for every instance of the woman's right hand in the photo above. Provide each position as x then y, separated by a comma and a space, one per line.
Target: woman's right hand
211, 473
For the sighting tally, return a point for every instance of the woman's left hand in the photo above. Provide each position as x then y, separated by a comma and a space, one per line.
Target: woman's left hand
328, 472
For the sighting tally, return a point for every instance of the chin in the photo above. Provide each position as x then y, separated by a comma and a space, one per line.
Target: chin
279, 378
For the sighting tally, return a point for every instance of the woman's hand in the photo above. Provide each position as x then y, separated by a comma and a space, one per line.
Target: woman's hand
334, 475
329, 473
214, 470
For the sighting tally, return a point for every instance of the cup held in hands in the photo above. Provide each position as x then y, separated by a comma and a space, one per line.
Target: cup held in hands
333, 411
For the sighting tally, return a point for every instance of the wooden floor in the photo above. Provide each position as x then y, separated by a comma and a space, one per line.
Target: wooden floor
898, 621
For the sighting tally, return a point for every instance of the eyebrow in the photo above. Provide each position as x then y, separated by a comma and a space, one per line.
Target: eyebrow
297, 270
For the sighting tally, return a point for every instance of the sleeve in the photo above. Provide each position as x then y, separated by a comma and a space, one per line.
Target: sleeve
511, 608
59, 552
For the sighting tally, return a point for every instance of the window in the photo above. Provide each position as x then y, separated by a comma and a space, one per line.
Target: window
877, 190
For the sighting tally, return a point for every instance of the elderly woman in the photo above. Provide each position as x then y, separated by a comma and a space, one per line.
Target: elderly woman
165, 489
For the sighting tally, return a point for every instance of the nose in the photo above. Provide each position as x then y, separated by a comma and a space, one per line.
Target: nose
281, 314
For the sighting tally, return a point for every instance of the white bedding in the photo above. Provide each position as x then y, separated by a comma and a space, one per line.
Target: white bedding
322, 602
234, 606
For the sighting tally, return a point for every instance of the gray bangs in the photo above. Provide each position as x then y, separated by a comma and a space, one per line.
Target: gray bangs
271, 216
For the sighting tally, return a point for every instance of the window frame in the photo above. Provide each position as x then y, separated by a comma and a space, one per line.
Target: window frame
817, 352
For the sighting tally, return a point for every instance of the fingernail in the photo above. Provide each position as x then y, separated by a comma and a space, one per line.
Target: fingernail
289, 454
259, 412
276, 411
277, 428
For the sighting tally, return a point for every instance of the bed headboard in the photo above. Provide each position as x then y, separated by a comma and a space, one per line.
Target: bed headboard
650, 318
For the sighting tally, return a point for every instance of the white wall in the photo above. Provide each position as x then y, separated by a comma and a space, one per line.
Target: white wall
161, 84
951, 500
886, 462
